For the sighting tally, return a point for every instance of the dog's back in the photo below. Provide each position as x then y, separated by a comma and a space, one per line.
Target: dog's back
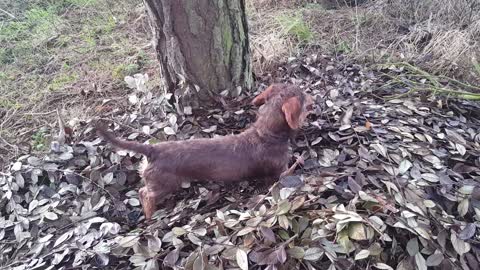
229, 158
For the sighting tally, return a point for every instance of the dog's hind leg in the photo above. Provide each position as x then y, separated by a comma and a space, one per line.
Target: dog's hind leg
147, 201
156, 190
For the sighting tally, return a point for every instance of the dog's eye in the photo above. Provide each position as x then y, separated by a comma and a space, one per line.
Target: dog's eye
309, 107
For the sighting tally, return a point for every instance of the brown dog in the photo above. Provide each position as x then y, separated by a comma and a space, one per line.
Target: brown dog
261, 151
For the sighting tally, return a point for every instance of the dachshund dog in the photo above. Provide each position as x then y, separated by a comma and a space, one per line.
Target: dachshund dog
259, 152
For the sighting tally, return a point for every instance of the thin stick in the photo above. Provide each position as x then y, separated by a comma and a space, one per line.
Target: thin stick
289, 171
39, 113
91, 181
8, 13
127, 126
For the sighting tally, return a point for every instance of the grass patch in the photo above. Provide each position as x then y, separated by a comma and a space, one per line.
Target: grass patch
6, 56
83, 3
143, 59
278, 33
343, 47
62, 80
64, 48
38, 23
9, 104
39, 140
97, 30
295, 25
123, 70
476, 66
316, 6
22, 39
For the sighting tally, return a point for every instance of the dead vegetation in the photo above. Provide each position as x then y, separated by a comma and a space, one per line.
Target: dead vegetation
440, 36
390, 179
443, 36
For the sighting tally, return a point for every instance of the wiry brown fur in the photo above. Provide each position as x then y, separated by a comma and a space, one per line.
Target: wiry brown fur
260, 152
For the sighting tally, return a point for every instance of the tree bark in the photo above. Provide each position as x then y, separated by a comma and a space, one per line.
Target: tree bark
202, 46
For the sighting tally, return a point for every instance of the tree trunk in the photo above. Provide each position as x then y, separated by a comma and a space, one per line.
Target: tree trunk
202, 46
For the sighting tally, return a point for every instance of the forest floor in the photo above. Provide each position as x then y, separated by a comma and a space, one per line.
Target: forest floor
390, 181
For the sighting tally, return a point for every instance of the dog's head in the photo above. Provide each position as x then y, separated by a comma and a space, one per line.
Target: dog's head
295, 104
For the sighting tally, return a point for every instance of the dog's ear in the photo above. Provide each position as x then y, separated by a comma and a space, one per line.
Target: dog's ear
262, 97
292, 110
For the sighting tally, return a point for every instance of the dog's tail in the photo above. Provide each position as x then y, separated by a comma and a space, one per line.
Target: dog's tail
136, 147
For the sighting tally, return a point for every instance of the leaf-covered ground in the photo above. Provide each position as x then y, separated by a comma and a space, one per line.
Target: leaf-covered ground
388, 183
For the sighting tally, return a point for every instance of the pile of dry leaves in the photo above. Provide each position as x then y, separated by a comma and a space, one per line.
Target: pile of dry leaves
388, 183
